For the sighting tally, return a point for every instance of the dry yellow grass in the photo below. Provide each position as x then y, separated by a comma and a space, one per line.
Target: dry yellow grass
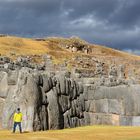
15, 46
81, 133
26, 46
21, 46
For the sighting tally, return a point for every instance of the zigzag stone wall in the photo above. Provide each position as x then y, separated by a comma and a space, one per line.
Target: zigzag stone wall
57, 101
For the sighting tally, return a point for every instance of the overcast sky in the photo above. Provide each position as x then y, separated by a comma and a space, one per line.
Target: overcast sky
114, 23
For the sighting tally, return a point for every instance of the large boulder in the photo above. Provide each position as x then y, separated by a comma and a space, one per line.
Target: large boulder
55, 116
26, 95
3, 85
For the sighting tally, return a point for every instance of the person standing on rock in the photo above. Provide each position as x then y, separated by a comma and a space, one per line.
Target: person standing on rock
17, 120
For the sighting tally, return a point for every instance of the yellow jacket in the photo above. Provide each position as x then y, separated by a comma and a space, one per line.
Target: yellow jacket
17, 117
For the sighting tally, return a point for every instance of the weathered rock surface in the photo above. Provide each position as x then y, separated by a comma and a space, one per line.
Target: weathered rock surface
59, 100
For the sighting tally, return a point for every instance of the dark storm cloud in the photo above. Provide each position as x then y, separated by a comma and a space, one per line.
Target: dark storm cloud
32, 17
115, 23
99, 8
127, 14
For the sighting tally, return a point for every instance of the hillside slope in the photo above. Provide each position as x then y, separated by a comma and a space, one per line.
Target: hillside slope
76, 52
10, 45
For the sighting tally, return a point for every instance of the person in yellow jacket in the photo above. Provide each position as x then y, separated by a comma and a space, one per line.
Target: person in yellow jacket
17, 120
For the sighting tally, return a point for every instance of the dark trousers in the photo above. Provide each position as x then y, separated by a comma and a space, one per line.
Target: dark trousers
15, 125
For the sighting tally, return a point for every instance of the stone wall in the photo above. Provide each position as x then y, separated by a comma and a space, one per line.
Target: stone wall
58, 100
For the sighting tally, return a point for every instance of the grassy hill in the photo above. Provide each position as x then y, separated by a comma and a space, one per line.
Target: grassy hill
57, 48
81, 133
11, 46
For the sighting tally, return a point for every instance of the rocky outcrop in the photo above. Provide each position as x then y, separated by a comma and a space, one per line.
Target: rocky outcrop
57, 100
